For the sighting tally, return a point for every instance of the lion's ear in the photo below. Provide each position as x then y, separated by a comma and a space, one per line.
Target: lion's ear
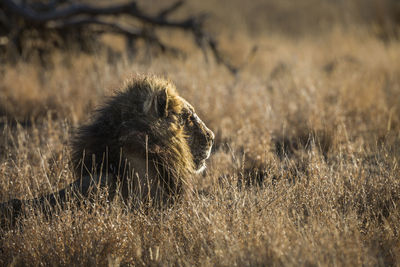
162, 103
157, 104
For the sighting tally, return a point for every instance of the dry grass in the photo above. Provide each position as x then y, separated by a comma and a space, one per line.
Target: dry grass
304, 172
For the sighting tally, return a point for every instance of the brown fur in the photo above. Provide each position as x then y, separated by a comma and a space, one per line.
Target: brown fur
144, 143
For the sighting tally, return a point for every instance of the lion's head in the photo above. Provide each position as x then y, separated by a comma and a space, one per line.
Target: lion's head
198, 136
147, 122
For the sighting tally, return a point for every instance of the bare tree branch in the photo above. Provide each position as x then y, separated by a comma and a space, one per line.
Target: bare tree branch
219, 58
129, 8
164, 13
64, 13
119, 29
56, 15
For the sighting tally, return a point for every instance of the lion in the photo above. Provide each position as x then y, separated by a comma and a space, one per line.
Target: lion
144, 144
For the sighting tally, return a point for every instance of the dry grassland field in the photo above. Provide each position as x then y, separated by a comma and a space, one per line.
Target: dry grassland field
305, 166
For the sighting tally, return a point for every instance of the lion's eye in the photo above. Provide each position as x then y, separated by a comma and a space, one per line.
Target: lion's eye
187, 119
191, 120
182, 119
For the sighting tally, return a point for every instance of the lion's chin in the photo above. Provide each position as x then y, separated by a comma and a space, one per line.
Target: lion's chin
201, 168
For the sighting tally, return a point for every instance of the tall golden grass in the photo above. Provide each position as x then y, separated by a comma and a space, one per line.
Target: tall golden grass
304, 171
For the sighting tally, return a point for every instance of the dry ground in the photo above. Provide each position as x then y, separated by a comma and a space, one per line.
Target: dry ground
304, 171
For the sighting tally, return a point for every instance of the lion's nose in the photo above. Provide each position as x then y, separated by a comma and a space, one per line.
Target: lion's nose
210, 136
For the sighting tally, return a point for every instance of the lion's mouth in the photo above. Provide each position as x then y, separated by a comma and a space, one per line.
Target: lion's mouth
201, 163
